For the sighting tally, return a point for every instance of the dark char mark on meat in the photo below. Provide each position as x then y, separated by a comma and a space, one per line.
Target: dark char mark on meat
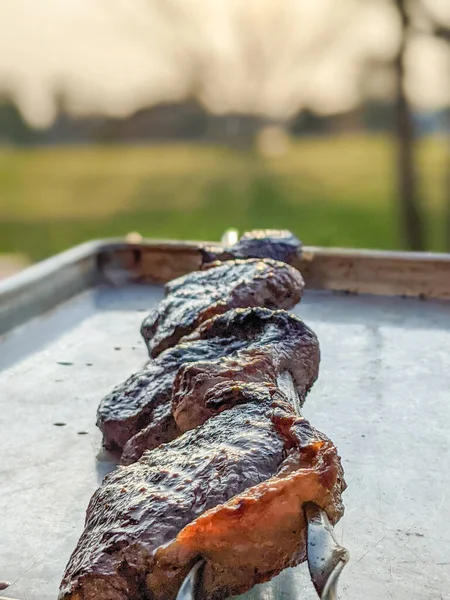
198, 296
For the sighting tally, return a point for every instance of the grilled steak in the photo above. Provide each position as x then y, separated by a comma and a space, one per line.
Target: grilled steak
263, 243
198, 296
230, 491
254, 344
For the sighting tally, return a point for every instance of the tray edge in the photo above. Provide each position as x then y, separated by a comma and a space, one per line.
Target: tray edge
43, 286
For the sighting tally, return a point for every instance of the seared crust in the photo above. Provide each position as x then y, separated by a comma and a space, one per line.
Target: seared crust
277, 342
199, 296
138, 412
278, 244
231, 464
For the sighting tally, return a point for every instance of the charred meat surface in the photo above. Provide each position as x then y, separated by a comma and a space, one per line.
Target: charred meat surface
278, 244
144, 398
276, 342
230, 491
219, 465
253, 344
198, 296
161, 430
131, 405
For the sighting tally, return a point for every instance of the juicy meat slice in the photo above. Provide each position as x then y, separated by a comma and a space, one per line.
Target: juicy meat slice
198, 296
132, 405
277, 342
278, 244
228, 345
230, 491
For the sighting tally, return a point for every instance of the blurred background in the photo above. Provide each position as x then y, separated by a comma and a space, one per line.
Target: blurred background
181, 118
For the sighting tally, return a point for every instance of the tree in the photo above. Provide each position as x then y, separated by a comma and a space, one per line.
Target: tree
408, 197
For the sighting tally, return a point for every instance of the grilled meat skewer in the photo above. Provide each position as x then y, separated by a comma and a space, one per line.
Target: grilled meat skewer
232, 464
230, 491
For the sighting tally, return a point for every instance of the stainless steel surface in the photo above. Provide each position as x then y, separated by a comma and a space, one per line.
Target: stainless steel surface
189, 587
382, 396
326, 557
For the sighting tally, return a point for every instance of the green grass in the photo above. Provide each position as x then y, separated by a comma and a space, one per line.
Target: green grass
331, 191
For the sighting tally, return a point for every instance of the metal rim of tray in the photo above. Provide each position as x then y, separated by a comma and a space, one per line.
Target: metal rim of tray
26, 295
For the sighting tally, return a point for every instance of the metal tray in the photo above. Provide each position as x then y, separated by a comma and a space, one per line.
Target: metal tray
70, 331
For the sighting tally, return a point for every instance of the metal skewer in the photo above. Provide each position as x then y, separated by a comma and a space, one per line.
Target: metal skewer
191, 584
326, 558
230, 237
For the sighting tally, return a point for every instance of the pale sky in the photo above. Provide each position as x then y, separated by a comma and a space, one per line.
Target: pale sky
260, 56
